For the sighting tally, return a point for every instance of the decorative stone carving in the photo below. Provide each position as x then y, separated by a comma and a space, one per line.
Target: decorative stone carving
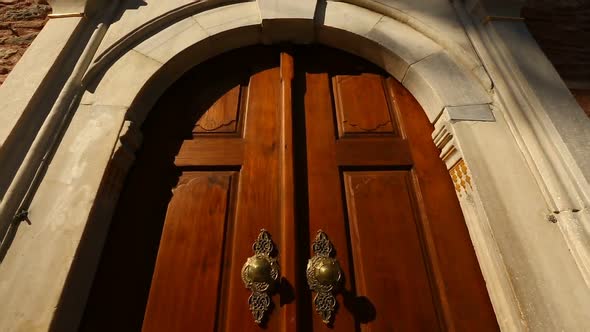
461, 177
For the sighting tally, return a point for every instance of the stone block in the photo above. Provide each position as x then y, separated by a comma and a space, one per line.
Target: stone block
172, 40
136, 15
350, 18
437, 82
16, 94
229, 17
296, 31
136, 68
407, 44
34, 271
301, 9
470, 113
394, 45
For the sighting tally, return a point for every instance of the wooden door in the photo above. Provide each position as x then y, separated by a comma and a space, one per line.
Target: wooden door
292, 142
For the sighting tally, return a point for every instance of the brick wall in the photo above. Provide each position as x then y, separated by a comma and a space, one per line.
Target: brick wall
20, 22
562, 29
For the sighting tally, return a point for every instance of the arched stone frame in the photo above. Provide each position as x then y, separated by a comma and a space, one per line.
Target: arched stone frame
451, 85
147, 61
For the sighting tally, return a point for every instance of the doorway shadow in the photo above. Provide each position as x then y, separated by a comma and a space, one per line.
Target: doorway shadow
361, 307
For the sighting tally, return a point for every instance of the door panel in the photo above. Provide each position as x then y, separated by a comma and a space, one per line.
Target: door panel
292, 142
222, 117
388, 256
360, 194
361, 105
191, 246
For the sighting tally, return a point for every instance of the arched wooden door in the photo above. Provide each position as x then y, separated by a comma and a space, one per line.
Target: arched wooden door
293, 142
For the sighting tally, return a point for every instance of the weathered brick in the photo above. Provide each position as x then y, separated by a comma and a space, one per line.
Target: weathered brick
25, 13
21, 40
6, 33
37, 24
7, 53
20, 22
25, 31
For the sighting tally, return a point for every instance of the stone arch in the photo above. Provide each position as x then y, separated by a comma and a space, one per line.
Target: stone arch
149, 58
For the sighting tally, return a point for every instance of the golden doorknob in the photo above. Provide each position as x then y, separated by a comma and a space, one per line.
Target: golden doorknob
327, 271
258, 269
324, 276
260, 274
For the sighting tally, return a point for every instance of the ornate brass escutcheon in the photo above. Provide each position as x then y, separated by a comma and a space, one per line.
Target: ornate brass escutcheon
324, 276
260, 274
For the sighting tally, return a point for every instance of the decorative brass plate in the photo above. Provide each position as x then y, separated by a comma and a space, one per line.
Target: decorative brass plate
260, 274
324, 276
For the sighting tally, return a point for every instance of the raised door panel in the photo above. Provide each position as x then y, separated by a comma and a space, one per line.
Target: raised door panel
222, 116
389, 260
362, 106
184, 292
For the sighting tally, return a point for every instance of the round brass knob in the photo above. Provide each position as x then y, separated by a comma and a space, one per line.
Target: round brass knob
328, 272
259, 269
260, 275
324, 276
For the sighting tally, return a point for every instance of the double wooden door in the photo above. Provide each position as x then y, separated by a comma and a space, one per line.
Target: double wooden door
292, 142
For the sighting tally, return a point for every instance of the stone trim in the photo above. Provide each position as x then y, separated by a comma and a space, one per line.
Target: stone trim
415, 62
504, 299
